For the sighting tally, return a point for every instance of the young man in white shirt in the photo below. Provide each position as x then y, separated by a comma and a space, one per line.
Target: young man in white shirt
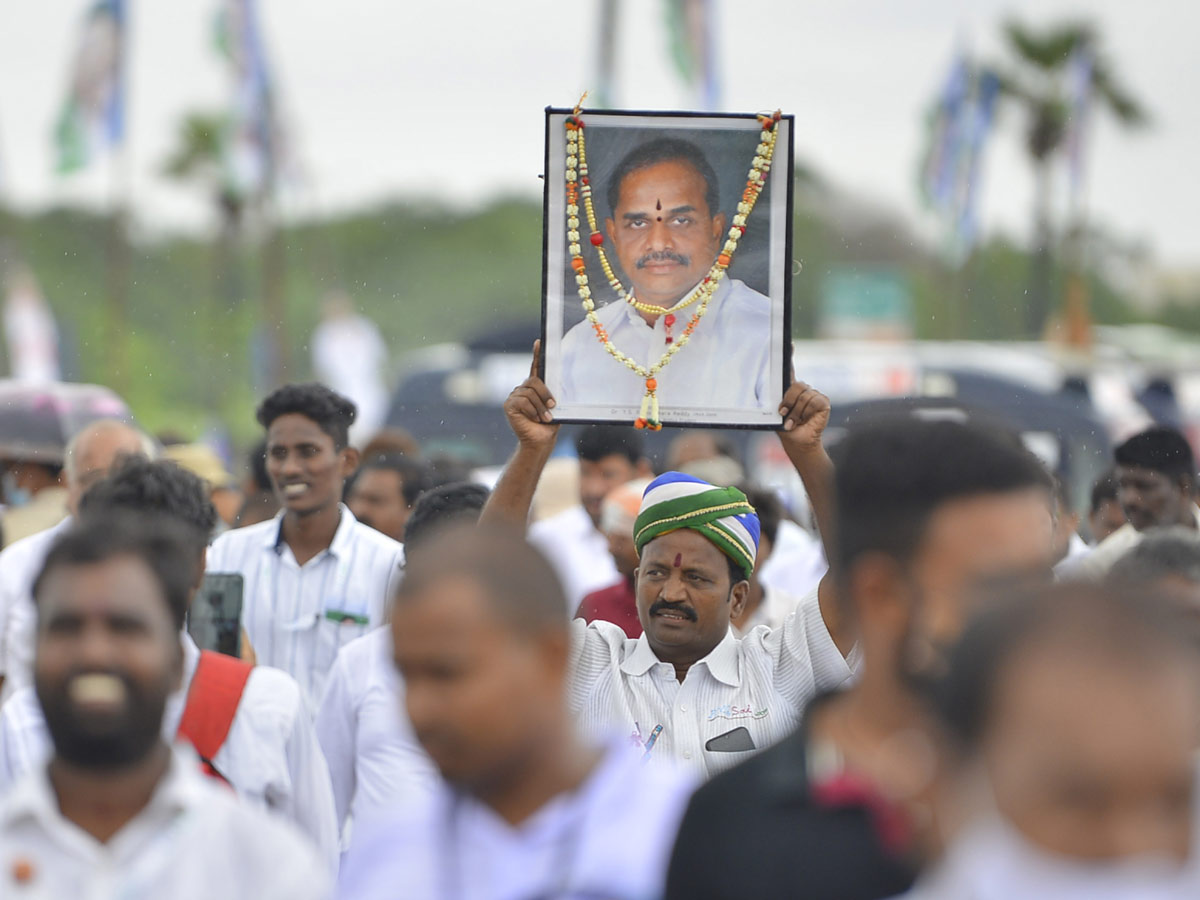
315, 578
375, 762
687, 688
116, 813
90, 454
526, 808
270, 755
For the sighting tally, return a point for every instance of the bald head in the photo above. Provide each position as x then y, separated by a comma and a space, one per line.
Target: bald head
519, 586
94, 450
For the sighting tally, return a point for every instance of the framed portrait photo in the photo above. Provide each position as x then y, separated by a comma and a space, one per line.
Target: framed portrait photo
666, 267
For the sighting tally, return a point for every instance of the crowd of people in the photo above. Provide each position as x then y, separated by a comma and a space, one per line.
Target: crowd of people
663, 687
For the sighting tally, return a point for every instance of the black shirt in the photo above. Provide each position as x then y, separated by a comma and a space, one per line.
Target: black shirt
756, 831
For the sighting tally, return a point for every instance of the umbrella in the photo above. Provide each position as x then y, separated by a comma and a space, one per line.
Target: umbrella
37, 420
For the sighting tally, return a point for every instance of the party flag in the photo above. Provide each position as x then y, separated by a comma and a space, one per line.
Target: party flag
250, 139
93, 117
1080, 82
690, 29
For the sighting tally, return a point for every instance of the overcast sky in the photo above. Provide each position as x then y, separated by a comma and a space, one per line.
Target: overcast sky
388, 98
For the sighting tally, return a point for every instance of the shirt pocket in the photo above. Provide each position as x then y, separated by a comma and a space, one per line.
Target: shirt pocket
336, 627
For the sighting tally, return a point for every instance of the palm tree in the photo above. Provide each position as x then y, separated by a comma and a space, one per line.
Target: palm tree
199, 158
1035, 80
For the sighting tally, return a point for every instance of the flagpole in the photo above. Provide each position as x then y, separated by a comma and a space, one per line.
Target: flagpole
120, 174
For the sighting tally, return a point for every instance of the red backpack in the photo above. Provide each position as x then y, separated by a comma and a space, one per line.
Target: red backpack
212, 702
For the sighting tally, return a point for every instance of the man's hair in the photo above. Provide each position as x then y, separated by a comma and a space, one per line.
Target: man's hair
894, 473
149, 448
1161, 553
447, 506
161, 488
332, 412
595, 442
257, 458
519, 584
770, 511
1123, 627
160, 542
660, 151
414, 475
1160, 449
1104, 490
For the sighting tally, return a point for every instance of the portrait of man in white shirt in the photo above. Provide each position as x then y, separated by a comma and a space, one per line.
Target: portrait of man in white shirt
664, 231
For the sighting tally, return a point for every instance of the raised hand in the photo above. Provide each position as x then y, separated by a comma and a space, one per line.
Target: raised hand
805, 412
528, 408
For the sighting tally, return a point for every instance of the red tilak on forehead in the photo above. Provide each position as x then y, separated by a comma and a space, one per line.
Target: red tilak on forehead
678, 560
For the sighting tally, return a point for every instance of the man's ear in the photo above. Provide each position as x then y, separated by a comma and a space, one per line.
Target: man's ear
350, 460
610, 229
738, 595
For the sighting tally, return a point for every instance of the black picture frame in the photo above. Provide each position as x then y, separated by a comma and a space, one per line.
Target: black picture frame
629, 129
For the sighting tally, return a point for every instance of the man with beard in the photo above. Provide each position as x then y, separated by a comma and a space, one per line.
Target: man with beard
116, 812
269, 752
524, 808
925, 510
382, 493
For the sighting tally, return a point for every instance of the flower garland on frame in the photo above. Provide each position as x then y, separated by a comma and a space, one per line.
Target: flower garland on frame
578, 187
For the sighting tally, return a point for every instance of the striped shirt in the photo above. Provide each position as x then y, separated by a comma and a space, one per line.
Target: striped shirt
746, 695
298, 617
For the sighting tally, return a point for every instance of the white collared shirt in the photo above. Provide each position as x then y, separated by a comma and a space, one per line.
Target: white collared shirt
610, 838
760, 683
298, 617
374, 759
20, 564
725, 364
577, 551
193, 841
270, 756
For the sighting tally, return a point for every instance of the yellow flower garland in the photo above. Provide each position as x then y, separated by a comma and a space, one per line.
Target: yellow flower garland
578, 185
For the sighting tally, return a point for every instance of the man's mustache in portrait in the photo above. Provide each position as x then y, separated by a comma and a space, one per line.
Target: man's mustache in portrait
663, 256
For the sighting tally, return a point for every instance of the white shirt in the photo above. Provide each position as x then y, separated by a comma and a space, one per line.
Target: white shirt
374, 759
193, 841
772, 610
725, 364
761, 682
270, 756
797, 561
609, 838
577, 551
298, 617
20, 564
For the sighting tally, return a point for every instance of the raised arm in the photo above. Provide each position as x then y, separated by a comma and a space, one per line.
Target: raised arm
528, 411
806, 413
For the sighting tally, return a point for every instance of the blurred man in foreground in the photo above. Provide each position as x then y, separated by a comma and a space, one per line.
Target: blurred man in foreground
374, 760
90, 454
248, 724
925, 511
526, 808
116, 812
1076, 709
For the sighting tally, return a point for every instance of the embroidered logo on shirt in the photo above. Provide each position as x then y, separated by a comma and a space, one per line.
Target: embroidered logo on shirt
737, 712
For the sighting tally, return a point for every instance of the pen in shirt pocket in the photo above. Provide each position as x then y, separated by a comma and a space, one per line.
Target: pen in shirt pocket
650, 741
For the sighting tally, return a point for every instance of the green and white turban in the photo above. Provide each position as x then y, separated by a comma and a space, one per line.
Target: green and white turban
721, 514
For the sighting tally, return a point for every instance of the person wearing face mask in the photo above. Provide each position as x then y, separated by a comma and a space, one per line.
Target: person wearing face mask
117, 812
35, 496
1073, 714
924, 511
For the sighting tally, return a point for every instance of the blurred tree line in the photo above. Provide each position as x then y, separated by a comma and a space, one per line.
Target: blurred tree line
428, 275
